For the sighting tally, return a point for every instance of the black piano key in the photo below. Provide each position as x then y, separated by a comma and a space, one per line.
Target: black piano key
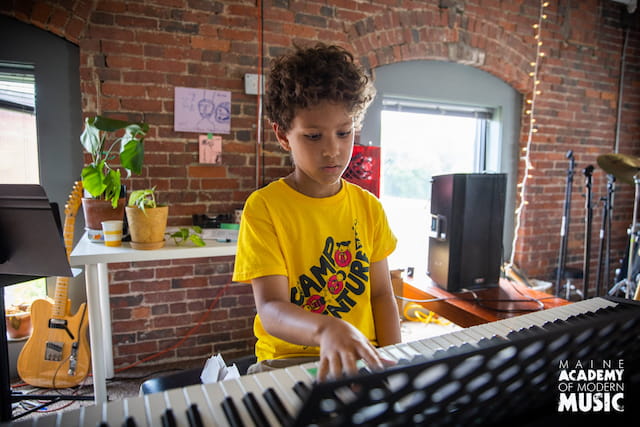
453, 350
129, 422
254, 409
418, 358
552, 325
168, 419
193, 415
231, 412
525, 332
276, 405
302, 390
490, 342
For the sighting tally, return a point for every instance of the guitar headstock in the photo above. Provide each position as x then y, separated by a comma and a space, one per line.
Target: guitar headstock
75, 199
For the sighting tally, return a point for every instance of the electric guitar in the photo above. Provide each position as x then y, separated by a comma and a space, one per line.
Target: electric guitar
57, 354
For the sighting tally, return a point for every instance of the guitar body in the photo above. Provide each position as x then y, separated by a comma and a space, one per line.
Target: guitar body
47, 355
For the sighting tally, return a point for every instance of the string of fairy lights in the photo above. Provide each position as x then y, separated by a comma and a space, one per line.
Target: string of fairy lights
530, 112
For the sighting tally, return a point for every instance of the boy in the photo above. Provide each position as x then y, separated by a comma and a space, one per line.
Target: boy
314, 246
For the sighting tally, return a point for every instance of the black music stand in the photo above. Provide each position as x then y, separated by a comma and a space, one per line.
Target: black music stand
31, 247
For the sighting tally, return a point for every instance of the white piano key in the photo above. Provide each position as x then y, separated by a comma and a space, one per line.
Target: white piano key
440, 342
398, 351
517, 323
113, 413
426, 347
453, 339
490, 329
215, 395
466, 338
194, 395
384, 353
46, 421
473, 334
91, 415
301, 372
410, 351
70, 418
135, 408
154, 405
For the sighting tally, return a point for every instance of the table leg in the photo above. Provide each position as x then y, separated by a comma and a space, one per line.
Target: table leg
105, 308
95, 329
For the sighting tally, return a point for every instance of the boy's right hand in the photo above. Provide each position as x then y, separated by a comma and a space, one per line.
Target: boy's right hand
341, 346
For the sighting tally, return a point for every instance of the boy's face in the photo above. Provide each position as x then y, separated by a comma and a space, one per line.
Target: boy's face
320, 140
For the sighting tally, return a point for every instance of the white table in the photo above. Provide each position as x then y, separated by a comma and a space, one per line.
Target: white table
95, 257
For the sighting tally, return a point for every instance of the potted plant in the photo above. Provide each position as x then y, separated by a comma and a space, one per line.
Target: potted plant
147, 220
99, 178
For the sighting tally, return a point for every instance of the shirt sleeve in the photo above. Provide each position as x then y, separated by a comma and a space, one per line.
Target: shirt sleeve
385, 240
258, 252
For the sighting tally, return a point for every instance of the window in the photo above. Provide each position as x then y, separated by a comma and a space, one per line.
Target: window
449, 91
19, 153
18, 138
420, 140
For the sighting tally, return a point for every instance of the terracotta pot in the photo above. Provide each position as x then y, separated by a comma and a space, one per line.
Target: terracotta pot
147, 228
97, 210
18, 325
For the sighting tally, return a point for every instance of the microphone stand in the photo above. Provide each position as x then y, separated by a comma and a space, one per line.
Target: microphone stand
605, 237
588, 172
564, 228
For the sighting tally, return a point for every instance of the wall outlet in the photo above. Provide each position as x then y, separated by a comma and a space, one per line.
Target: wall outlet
251, 84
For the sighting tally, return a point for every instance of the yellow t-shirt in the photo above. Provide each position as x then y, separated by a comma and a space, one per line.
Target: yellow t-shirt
323, 245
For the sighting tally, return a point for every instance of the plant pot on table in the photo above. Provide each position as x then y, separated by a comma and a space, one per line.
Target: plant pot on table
147, 228
98, 210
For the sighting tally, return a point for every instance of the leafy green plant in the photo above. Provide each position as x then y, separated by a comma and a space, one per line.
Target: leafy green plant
143, 199
184, 234
98, 177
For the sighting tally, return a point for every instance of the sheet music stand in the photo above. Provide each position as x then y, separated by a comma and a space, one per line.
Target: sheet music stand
31, 247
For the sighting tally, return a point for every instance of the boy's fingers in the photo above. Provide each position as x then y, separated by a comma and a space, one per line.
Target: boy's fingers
372, 359
323, 369
349, 366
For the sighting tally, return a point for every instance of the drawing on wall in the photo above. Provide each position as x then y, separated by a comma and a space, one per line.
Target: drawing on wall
210, 149
201, 110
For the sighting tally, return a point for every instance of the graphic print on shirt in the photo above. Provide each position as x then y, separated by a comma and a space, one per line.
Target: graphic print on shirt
333, 285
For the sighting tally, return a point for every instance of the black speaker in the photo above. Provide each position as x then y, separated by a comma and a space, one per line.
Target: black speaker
467, 220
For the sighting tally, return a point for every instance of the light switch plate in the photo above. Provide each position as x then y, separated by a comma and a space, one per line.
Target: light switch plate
251, 84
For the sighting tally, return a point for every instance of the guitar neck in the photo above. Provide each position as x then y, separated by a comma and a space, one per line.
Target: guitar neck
62, 283
60, 299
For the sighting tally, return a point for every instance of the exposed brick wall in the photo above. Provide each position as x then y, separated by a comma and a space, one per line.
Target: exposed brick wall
152, 303
133, 54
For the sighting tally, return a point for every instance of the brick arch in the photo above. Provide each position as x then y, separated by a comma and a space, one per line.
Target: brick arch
404, 35
68, 21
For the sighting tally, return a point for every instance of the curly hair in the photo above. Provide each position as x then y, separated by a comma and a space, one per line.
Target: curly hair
308, 76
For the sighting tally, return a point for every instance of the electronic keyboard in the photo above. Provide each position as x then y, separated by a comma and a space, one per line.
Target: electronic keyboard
484, 374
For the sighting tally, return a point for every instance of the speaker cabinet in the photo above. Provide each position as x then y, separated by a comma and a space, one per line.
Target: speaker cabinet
467, 220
